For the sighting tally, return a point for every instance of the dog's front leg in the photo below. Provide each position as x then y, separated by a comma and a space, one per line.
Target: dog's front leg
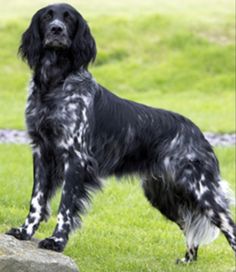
80, 180
38, 206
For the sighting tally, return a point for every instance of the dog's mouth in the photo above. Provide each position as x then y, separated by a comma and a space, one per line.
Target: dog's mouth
57, 42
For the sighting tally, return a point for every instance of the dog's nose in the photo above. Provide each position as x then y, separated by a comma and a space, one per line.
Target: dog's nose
56, 29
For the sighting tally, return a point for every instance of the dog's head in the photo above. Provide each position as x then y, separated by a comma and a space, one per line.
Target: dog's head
61, 28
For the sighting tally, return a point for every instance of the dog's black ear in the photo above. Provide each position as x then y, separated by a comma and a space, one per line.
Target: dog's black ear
31, 44
83, 45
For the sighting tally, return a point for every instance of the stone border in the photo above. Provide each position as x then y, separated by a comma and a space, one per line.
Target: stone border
221, 139
8, 136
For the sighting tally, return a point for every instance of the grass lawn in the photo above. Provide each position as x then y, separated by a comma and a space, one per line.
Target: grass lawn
121, 232
178, 55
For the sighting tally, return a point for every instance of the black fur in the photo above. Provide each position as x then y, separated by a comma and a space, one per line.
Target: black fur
81, 132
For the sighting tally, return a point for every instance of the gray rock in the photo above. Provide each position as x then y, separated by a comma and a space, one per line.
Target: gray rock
24, 256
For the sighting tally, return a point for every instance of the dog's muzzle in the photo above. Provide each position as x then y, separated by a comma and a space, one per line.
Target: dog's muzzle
57, 35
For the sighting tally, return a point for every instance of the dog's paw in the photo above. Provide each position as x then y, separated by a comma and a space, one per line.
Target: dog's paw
19, 233
184, 261
52, 243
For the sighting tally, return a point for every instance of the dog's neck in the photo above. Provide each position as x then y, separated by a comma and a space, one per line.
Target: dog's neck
54, 66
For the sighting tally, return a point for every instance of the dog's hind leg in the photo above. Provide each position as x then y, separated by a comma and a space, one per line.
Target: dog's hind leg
165, 199
198, 230
197, 204
190, 255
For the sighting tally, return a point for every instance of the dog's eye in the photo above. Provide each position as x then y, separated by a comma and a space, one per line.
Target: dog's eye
48, 15
66, 15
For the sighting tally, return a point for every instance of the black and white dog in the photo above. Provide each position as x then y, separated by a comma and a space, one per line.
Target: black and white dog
81, 132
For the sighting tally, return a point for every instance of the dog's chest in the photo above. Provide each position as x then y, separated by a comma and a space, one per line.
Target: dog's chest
56, 117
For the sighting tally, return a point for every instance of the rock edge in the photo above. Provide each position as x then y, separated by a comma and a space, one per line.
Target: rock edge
25, 256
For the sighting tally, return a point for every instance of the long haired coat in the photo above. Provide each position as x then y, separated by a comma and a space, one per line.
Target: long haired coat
81, 132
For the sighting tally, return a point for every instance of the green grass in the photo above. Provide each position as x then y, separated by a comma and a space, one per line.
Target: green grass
178, 55
191, 9
122, 232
